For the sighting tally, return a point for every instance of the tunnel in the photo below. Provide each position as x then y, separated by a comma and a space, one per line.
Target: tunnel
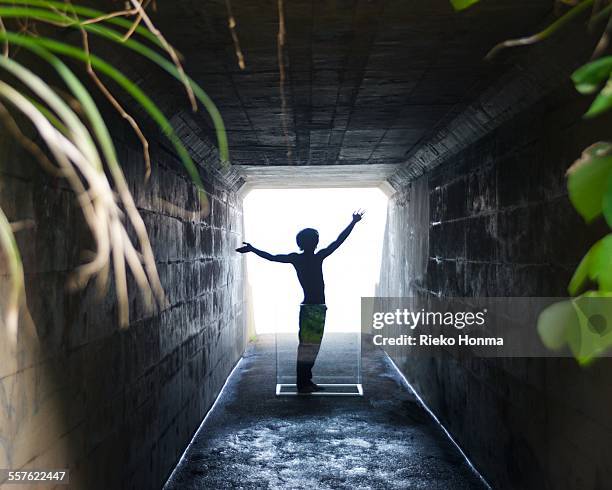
471, 153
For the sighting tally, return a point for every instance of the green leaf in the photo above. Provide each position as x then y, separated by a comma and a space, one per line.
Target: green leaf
87, 103
595, 265
79, 133
15, 267
114, 36
600, 263
583, 324
554, 323
593, 335
68, 8
130, 87
162, 62
581, 274
602, 103
607, 202
50, 116
587, 182
590, 76
462, 4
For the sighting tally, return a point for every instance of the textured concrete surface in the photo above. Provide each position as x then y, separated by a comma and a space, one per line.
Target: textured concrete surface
531, 75
366, 81
253, 439
334, 176
494, 220
116, 407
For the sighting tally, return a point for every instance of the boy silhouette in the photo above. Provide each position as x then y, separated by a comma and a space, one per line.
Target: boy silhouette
309, 268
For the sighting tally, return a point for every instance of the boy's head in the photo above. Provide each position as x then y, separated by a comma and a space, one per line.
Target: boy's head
307, 239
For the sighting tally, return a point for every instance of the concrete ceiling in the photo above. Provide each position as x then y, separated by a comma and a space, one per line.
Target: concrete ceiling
304, 176
366, 81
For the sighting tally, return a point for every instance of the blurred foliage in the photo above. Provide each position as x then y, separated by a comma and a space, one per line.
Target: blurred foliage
462, 4
78, 145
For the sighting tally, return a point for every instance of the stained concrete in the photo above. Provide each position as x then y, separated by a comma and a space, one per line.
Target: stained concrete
366, 81
253, 439
495, 221
116, 406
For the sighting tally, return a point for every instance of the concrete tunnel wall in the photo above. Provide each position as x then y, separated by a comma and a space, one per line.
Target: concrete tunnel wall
117, 406
495, 220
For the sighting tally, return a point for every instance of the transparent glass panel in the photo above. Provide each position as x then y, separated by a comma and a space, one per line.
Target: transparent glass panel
306, 352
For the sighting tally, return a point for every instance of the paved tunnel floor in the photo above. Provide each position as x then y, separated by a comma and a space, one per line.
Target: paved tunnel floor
253, 439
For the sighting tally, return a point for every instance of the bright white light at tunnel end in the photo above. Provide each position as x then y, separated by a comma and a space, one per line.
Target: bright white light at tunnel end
272, 218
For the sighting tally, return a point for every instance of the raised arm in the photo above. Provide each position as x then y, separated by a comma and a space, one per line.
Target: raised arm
332, 247
284, 258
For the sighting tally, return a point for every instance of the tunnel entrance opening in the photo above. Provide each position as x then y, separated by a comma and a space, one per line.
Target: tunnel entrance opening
332, 357
273, 217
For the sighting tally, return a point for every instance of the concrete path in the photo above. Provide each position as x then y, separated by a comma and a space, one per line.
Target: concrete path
255, 440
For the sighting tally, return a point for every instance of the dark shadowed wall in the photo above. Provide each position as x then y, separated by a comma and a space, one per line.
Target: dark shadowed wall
117, 406
495, 220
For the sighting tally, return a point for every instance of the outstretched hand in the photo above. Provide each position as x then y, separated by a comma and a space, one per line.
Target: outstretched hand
357, 215
246, 248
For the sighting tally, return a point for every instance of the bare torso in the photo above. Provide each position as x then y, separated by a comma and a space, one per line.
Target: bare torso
309, 269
